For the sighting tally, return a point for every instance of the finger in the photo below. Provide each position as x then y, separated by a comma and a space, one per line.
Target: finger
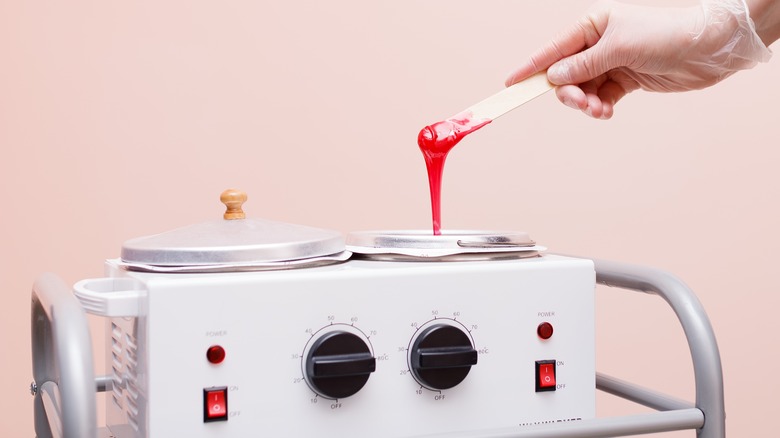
617, 86
565, 45
595, 107
581, 67
592, 58
572, 96
573, 40
610, 93
597, 98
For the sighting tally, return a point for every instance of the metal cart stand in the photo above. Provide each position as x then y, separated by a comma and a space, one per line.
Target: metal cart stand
65, 383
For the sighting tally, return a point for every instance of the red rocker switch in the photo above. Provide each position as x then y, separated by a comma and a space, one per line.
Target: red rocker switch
545, 375
215, 407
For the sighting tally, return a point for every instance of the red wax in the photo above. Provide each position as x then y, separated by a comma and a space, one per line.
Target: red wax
435, 142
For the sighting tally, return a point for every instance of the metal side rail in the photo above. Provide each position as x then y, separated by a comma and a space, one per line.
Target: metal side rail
707, 416
64, 380
707, 370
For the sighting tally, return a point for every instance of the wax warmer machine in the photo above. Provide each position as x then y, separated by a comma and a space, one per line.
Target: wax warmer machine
244, 327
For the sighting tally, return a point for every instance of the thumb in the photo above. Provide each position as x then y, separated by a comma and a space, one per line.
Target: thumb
580, 67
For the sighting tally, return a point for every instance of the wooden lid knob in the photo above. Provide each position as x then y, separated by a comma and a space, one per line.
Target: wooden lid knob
233, 200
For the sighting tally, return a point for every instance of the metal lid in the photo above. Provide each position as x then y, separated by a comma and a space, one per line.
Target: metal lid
234, 243
452, 245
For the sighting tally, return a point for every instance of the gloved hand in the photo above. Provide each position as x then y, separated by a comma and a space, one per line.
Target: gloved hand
618, 48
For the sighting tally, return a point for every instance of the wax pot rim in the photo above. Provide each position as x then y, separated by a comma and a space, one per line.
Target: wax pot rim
450, 245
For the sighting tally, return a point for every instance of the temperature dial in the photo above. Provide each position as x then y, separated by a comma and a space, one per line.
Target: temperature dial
442, 356
339, 364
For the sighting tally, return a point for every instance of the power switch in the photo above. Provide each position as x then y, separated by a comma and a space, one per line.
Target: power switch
215, 404
545, 375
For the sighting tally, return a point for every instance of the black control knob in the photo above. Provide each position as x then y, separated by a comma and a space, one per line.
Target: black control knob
442, 356
339, 364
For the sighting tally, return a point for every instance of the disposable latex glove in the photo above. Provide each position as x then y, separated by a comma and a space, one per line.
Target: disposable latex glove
618, 48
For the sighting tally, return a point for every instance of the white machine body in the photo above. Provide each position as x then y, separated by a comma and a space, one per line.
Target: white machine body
531, 322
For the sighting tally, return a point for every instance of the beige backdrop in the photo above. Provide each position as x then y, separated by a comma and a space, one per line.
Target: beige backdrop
119, 120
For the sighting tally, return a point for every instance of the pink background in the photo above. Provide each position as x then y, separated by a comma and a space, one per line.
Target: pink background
120, 120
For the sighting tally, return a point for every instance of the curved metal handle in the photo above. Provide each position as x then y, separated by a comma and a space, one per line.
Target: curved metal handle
65, 404
708, 373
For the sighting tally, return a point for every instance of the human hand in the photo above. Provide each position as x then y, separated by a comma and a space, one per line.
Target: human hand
617, 48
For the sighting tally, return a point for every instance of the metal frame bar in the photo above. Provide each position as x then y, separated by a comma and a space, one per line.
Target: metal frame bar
707, 369
64, 385
643, 396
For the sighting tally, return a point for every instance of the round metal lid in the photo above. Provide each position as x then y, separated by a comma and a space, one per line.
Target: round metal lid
452, 245
234, 243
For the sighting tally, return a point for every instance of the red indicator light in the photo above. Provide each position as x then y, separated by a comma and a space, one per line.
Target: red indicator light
215, 354
545, 330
